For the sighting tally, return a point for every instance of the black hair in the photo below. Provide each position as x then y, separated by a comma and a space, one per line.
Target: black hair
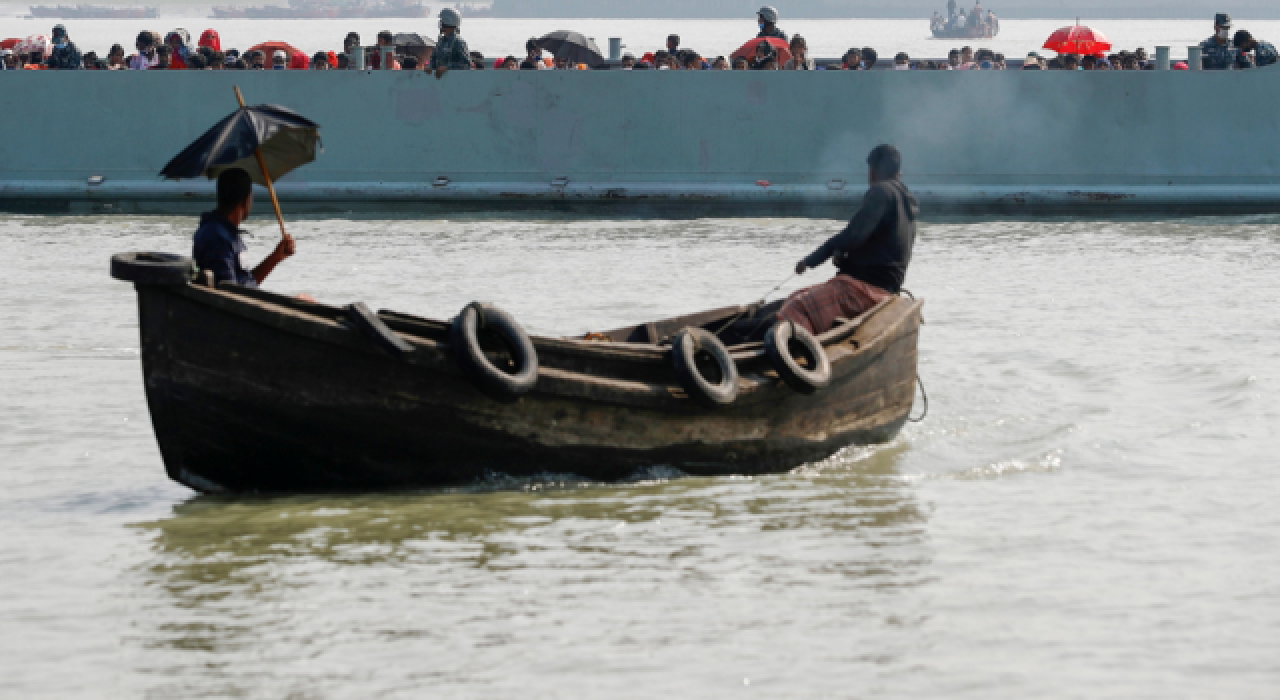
319, 56
116, 48
164, 50
885, 161
239, 65
869, 55
1241, 37
145, 38
234, 187
408, 63
674, 36
196, 61
530, 45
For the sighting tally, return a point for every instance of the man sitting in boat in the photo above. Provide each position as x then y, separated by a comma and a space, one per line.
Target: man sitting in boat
218, 246
872, 252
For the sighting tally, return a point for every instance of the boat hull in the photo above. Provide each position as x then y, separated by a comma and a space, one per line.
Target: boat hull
247, 395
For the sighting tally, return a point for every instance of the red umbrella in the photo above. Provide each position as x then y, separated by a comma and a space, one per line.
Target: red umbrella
1078, 40
9, 43
748, 50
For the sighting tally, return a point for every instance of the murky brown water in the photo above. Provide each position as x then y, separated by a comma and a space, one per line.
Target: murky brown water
1087, 510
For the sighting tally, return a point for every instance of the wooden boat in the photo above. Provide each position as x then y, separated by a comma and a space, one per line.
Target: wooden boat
251, 391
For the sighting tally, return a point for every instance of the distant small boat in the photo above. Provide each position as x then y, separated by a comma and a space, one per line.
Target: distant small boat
251, 391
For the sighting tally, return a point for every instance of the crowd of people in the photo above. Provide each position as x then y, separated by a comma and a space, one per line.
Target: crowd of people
774, 51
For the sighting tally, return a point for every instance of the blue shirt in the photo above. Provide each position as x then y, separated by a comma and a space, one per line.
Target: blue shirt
218, 248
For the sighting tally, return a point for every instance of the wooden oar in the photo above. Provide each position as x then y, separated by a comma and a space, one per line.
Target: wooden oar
262, 164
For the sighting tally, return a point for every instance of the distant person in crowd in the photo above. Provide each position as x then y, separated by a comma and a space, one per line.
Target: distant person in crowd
218, 246
533, 56
767, 18
6, 59
217, 61
209, 39
451, 50
179, 43
164, 58
930, 65
871, 253
721, 63
740, 63
257, 60
1130, 62
320, 61
1254, 52
65, 55
852, 60
628, 61
953, 59
764, 55
344, 63
966, 58
673, 44
350, 45
1141, 54
386, 40
299, 61
409, 63
1070, 62
90, 61
279, 61
902, 61
510, 63
1216, 52
662, 61
799, 55
1032, 62
239, 65
1103, 64
691, 60
1088, 62
869, 58
477, 60
196, 62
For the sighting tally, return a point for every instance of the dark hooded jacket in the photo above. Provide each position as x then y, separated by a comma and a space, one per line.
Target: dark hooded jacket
876, 245
66, 57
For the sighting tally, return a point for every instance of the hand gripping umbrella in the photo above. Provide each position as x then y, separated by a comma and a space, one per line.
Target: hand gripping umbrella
265, 141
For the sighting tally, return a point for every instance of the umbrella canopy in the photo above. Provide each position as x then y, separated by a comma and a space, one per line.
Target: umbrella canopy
748, 50
1078, 40
270, 47
35, 42
572, 47
412, 39
9, 43
287, 140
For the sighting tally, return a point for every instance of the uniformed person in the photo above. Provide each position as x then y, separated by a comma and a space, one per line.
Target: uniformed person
768, 20
1264, 53
451, 50
1216, 52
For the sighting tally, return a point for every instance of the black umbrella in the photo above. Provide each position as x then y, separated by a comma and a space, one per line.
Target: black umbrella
572, 47
266, 141
411, 39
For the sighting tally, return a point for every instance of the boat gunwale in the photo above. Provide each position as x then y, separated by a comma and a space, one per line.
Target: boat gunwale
325, 323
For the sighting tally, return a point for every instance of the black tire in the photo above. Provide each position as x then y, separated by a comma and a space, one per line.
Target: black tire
493, 381
783, 342
153, 268
369, 323
692, 344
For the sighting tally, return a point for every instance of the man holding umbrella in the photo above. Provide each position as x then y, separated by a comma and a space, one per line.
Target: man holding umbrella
218, 246
451, 50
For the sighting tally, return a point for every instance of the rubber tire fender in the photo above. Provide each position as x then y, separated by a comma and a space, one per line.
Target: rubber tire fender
684, 351
153, 268
491, 380
777, 346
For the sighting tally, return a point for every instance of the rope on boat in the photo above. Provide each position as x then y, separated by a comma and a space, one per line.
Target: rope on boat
925, 397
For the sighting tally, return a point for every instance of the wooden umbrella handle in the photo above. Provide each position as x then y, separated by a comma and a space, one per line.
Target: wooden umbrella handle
266, 175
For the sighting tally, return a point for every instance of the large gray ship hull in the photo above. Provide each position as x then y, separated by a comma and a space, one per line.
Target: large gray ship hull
668, 144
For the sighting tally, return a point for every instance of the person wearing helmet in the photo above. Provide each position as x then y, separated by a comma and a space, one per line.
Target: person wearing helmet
451, 50
767, 18
65, 55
